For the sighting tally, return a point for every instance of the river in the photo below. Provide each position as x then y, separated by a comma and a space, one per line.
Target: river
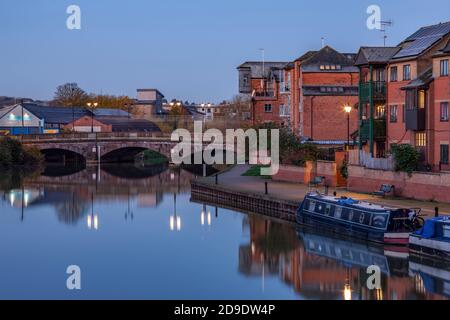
135, 234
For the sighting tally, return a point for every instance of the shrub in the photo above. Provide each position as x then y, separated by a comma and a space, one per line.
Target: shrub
406, 158
12, 152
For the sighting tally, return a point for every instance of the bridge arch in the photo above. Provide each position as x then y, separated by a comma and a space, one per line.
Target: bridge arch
70, 154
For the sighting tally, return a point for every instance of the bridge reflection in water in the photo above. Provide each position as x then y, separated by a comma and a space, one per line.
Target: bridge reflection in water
73, 191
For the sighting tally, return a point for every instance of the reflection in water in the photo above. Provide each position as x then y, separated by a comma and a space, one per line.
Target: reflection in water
144, 232
322, 267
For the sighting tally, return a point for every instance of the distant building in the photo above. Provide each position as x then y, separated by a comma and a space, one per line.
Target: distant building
30, 118
112, 124
149, 104
266, 83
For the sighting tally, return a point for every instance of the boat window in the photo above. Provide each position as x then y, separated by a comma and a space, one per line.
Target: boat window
312, 206
361, 217
338, 212
350, 215
328, 209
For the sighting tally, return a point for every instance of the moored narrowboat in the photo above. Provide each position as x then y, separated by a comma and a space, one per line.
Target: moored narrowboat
433, 240
359, 219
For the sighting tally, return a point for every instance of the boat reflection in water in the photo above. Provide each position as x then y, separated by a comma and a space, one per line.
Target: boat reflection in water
319, 266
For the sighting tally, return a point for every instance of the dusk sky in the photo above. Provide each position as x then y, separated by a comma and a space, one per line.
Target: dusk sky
187, 49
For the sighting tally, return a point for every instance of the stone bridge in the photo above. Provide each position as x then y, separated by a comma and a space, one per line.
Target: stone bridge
102, 147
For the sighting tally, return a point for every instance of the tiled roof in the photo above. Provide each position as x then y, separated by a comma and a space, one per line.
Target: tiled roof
422, 40
328, 56
369, 55
307, 55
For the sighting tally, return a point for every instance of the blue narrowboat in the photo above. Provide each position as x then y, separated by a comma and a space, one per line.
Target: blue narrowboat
359, 219
433, 240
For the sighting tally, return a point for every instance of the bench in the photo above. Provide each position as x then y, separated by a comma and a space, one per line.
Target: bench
317, 181
384, 190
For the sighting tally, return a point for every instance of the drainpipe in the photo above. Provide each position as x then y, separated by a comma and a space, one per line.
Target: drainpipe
312, 117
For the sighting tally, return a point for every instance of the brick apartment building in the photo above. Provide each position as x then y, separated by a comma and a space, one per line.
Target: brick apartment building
269, 86
308, 94
323, 83
404, 96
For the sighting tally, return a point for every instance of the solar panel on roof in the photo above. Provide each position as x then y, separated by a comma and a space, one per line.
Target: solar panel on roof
436, 30
418, 46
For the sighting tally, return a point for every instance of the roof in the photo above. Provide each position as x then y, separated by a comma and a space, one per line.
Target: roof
256, 67
422, 80
59, 115
106, 112
423, 39
307, 55
6, 110
125, 124
328, 56
375, 55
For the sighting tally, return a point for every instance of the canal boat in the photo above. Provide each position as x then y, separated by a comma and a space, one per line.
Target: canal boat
359, 219
433, 240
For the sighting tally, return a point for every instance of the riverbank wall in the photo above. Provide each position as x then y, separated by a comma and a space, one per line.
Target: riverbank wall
244, 202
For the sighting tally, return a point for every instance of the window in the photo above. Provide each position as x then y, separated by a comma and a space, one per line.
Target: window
444, 68
268, 108
394, 74
338, 67
444, 111
322, 67
393, 113
421, 139
406, 72
444, 153
421, 99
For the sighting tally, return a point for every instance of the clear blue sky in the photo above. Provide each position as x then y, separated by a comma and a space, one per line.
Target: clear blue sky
187, 49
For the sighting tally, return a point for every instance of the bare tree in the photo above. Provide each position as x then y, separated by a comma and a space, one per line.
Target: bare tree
70, 94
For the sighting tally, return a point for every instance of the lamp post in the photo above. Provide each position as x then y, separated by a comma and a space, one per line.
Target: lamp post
92, 106
348, 110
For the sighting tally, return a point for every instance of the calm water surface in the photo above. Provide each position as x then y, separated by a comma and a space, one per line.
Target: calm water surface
135, 233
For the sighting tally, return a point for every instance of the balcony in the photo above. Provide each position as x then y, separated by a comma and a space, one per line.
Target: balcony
415, 119
378, 90
379, 128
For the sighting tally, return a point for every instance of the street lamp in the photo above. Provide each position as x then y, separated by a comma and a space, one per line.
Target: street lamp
92, 106
348, 110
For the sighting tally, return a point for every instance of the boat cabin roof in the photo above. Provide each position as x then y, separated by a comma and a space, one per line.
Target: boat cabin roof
361, 204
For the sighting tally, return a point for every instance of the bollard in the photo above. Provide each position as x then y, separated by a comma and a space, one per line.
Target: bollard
217, 179
267, 187
436, 212
335, 193
326, 189
204, 170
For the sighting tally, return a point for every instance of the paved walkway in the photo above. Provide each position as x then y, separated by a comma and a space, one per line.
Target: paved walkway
233, 179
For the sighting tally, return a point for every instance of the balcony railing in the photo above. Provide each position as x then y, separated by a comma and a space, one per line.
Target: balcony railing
415, 119
379, 129
378, 90
265, 94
